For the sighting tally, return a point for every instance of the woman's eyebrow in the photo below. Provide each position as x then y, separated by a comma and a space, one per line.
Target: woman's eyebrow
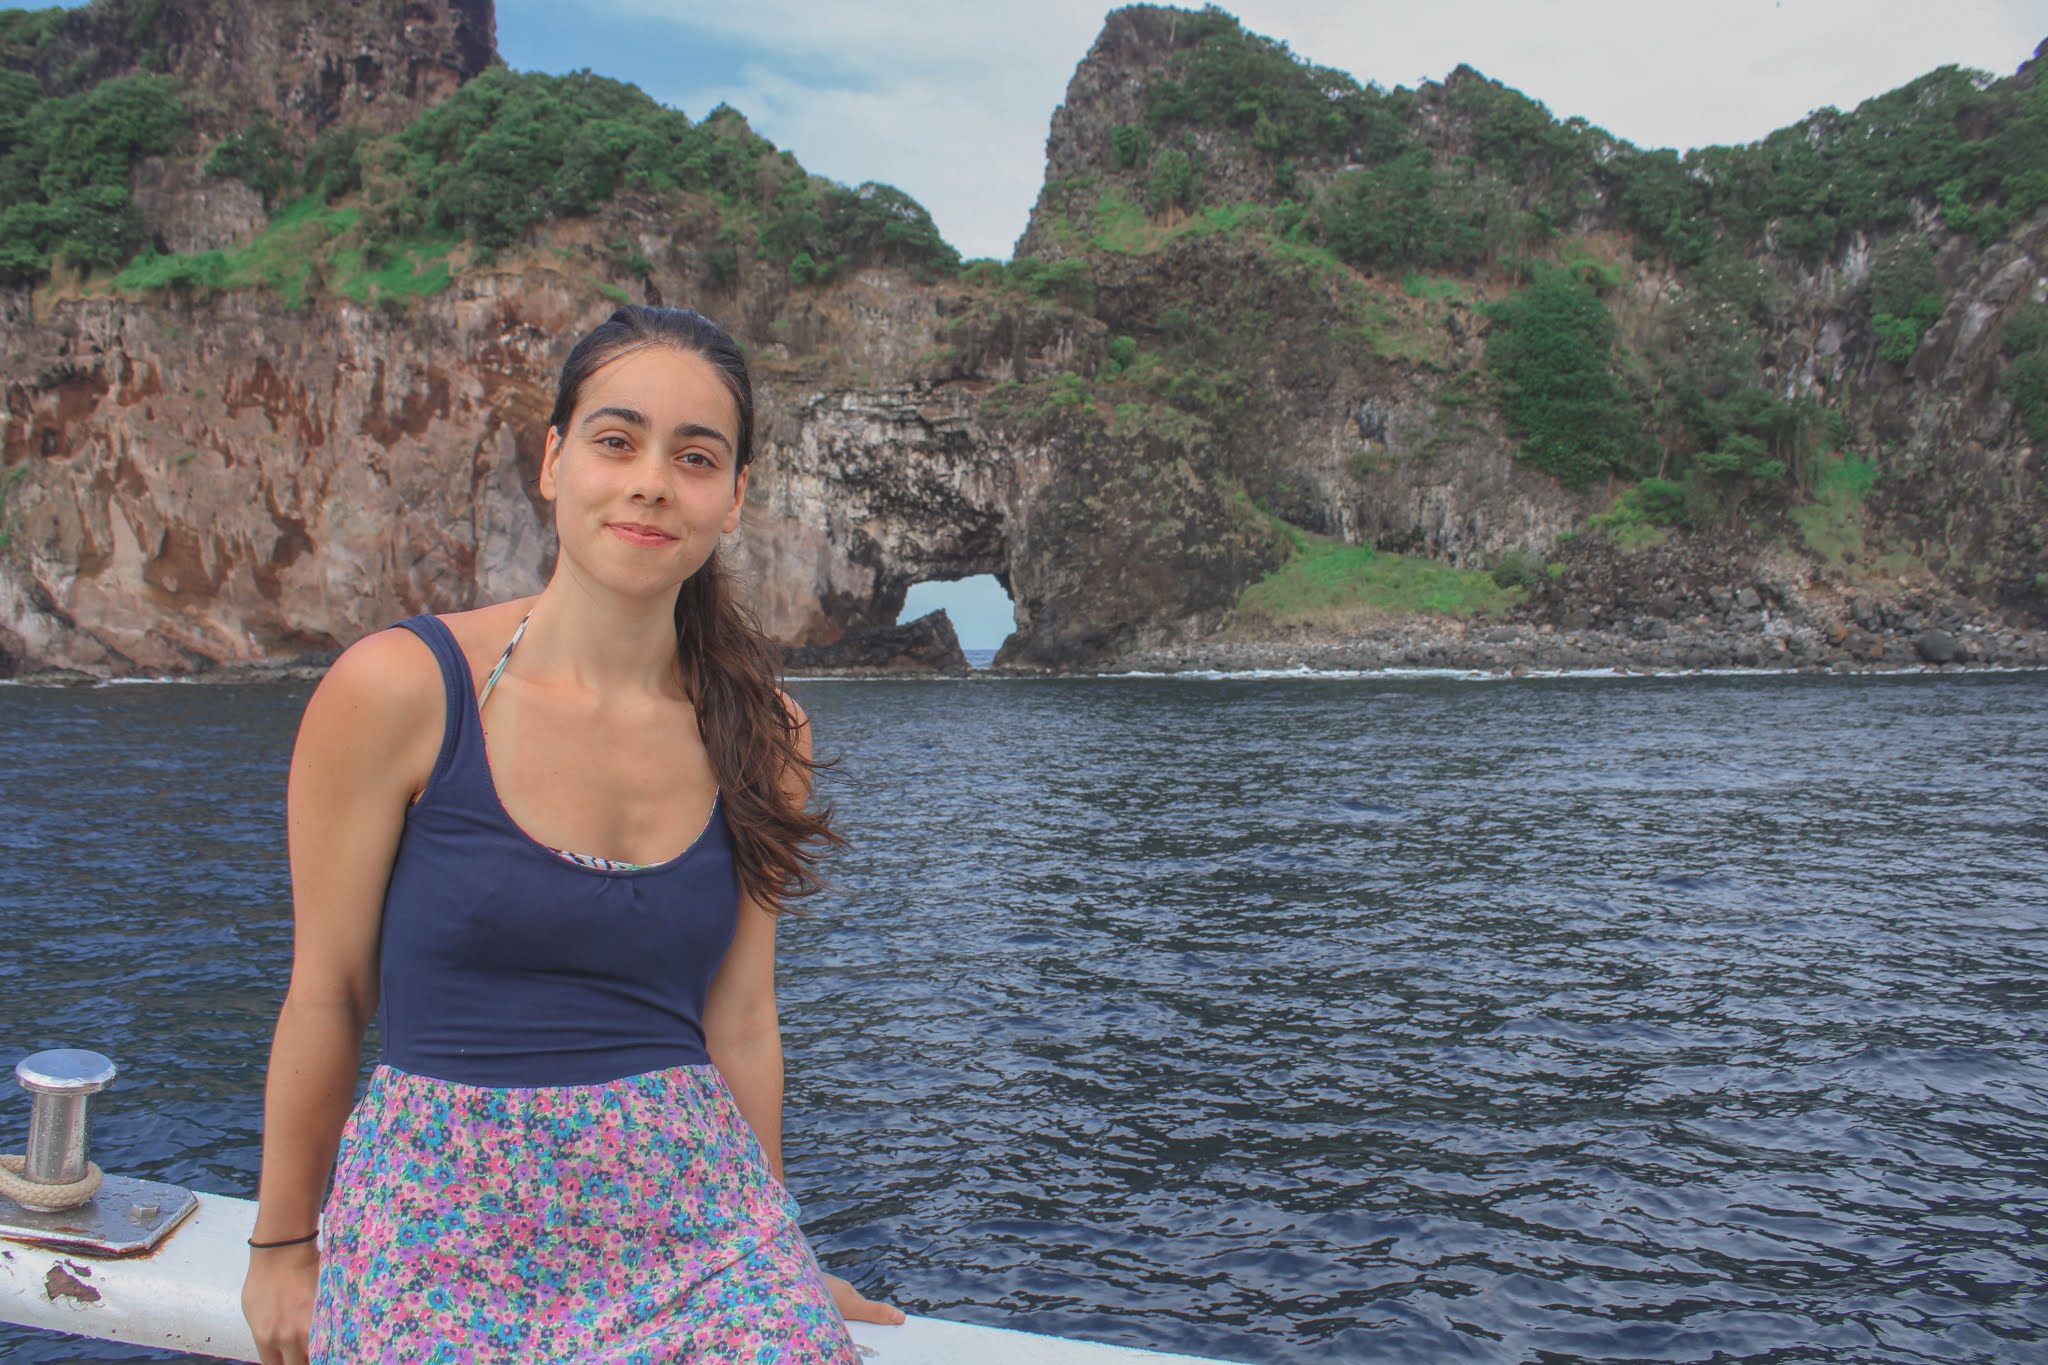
686, 430
633, 417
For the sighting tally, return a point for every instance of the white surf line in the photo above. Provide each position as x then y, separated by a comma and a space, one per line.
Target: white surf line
1297, 671
187, 1296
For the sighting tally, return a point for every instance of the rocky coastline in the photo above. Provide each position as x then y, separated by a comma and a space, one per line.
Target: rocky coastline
1520, 649
1876, 637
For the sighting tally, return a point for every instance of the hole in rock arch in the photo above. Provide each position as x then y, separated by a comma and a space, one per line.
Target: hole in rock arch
980, 610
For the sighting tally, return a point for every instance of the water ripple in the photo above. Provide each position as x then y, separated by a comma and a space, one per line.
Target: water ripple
1388, 1019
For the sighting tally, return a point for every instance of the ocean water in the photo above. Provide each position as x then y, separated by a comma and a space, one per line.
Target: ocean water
1270, 1019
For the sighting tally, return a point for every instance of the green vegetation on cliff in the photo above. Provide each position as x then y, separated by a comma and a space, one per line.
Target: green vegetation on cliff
1905, 298
1287, 108
2025, 381
306, 249
505, 153
1975, 146
65, 167
1402, 215
25, 30
510, 150
1831, 525
1325, 584
1551, 352
1293, 163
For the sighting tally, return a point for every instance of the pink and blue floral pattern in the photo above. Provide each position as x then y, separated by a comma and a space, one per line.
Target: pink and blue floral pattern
632, 1221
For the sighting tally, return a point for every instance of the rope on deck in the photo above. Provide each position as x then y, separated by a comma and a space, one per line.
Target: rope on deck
31, 1194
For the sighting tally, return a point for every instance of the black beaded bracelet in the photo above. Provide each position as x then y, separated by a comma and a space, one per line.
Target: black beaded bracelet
287, 1242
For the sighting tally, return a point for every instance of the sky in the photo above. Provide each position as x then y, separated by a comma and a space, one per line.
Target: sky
978, 608
950, 102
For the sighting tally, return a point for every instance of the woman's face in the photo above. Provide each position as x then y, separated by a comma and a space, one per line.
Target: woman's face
643, 480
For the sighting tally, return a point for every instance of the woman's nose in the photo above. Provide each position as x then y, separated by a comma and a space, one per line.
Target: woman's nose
650, 479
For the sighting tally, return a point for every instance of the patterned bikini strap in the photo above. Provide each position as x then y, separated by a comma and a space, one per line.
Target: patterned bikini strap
499, 671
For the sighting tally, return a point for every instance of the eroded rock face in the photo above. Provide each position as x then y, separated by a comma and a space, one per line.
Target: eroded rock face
861, 494
306, 64
231, 483
185, 210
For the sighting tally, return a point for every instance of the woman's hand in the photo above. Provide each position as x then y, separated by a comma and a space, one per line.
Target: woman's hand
277, 1299
855, 1306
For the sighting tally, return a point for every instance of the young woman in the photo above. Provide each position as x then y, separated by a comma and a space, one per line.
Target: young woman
546, 843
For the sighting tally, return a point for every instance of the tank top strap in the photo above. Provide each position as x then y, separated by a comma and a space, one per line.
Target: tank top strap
456, 687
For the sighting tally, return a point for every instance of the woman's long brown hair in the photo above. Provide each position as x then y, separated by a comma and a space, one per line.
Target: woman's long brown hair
730, 669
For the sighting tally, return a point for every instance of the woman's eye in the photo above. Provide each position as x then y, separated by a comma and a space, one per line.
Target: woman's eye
612, 442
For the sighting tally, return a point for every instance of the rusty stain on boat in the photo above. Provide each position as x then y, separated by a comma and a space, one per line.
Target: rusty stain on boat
63, 1283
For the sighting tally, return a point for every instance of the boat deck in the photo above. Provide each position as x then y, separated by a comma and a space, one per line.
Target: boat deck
187, 1296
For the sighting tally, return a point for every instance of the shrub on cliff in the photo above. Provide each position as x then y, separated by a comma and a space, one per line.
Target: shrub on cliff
1226, 77
2025, 381
1174, 181
1397, 216
258, 157
1750, 433
1640, 516
1518, 141
1129, 146
1550, 350
1664, 203
1905, 298
820, 229
65, 165
2025, 385
25, 30
509, 150
2006, 178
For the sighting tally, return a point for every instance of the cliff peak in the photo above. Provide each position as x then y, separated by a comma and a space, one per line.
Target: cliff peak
307, 64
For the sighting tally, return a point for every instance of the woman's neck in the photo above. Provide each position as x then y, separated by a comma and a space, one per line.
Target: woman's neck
597, 640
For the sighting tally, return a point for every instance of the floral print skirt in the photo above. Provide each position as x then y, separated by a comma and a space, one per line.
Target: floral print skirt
630, 1221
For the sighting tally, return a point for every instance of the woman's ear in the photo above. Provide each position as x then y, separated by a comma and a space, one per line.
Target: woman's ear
739, 495
549, 453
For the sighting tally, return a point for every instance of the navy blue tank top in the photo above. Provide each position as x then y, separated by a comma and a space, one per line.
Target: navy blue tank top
502, 963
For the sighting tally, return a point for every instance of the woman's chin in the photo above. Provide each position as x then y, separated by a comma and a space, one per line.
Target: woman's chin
634, 575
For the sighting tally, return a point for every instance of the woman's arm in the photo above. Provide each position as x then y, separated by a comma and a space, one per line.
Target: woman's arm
743, 1034
368, 737
742, 1031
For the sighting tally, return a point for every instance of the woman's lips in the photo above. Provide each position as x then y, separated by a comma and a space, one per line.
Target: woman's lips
635, 533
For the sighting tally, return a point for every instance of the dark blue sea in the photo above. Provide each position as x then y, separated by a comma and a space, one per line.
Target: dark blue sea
1270, 1019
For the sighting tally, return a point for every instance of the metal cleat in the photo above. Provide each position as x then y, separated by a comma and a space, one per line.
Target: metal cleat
53, 1194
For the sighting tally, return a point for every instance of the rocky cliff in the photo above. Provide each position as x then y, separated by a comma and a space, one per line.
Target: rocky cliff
275, 432
304, 64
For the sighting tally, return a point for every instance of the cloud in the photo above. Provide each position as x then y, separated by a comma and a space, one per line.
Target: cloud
951, 102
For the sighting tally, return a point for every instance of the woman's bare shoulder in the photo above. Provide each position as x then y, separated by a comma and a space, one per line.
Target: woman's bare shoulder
385, 687
374, 726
